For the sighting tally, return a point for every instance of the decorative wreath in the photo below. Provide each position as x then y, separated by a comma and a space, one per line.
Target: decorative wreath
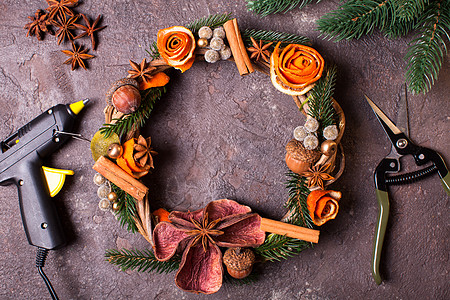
195, 242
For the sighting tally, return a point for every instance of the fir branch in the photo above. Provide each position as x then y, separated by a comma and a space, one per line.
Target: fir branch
321, 101
399, 27
142, 261
427, 51
153, 51
211, 21
356, 18
267, 7
139, 117
126, 209
409, 10
273, 36
277, 247
296, 204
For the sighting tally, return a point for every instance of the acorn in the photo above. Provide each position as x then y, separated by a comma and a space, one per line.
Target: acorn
298, 158
124, 95
239, 262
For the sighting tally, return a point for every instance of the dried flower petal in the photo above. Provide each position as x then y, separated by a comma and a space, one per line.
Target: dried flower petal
221, 223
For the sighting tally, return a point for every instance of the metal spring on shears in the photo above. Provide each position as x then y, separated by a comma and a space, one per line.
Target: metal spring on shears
411, 177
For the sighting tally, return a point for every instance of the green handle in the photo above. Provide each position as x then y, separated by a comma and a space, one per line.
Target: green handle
446, 183
380, 230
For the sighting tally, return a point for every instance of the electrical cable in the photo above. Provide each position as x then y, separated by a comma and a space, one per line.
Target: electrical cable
41, 255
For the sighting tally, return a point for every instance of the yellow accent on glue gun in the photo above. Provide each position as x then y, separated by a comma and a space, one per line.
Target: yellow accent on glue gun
55, 179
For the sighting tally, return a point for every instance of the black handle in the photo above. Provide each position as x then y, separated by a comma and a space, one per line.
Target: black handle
39, 216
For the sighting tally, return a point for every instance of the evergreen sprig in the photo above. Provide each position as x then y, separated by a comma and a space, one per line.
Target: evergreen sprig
153, 51
409, 10
211, 21
273, 36
277, 247
356, 18
137, 118
142, 261
267, 7
126, 209
320, 98
427, 51
395, 18
296, 204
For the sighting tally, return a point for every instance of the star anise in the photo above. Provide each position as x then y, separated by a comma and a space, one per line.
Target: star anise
143, 152
142, 71
204, 230
39, 25
317, 175
65, 25
77, 56
61, 7
260, 50
89, 29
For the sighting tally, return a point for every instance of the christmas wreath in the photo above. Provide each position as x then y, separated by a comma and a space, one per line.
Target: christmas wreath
194, 242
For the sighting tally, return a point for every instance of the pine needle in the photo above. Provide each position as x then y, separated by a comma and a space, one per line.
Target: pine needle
277, 247
267, 7
321, 101
408, 10
273, 36
139, 117
427, 51
153, 51
211, 21
356, 18
142, 261
126, 209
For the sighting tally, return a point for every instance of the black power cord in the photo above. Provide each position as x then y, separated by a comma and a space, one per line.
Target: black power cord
41, 255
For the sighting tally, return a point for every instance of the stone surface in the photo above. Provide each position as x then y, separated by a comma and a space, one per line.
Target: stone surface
222, 135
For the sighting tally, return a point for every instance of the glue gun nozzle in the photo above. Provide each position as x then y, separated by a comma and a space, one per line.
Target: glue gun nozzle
78, 106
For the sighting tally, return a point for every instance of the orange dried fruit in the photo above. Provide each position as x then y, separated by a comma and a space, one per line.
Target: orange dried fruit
294, 69
176, 45
323, 205
157, 80
162, 215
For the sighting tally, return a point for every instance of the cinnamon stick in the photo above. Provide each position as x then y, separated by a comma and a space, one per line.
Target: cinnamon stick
247, 61
237, 47
290, 230
119, 177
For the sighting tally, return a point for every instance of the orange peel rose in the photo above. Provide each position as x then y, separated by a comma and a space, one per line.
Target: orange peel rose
323, 205
294, 69
176, 45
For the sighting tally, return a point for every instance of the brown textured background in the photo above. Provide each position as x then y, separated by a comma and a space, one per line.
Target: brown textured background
222, 135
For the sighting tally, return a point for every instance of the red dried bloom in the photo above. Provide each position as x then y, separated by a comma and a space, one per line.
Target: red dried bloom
199, 234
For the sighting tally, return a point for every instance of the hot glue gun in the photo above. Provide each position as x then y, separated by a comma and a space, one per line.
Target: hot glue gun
21, 160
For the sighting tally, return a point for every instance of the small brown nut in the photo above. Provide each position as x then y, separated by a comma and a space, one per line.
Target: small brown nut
239, 262
298, 158
126, 99
124, 95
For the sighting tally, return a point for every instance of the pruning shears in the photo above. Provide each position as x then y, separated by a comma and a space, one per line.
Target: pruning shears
401, 146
